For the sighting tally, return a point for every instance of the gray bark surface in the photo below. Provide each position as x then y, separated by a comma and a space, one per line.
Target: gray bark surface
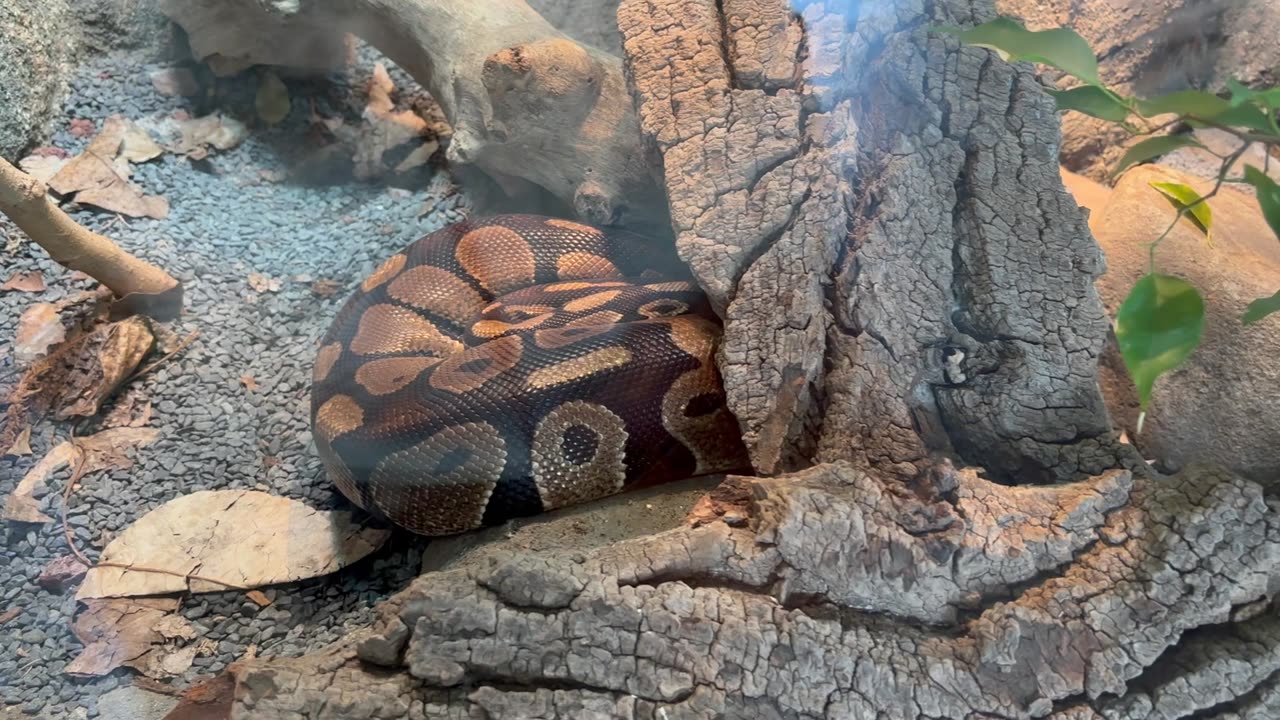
878, 213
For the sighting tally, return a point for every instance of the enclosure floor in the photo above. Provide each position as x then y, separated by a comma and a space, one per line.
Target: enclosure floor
215, 434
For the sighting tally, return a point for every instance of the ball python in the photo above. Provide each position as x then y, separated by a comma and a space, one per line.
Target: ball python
505, 366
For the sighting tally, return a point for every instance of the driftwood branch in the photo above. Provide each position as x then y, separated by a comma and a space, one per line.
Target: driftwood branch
525, 101
140, 286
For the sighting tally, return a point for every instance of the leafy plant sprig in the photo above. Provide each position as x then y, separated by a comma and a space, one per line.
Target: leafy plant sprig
1161, 322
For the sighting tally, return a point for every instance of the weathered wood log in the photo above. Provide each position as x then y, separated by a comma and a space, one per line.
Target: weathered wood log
526, 102
908, 298
139, 286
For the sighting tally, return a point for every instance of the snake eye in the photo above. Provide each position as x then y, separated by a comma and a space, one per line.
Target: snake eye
578, 444
703, 404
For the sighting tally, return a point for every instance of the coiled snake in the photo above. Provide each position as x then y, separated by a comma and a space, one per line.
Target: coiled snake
515, 364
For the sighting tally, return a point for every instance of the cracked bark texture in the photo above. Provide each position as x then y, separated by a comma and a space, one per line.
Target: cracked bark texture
878, 214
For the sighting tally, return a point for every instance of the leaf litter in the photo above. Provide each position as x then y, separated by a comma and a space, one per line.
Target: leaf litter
99, 176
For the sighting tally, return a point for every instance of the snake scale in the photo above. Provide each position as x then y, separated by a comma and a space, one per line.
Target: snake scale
504, 366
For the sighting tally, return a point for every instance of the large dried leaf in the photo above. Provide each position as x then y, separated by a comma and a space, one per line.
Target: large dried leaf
22, 444
107, 449
385, 129
99, 177
39, 328
140, 633
238, 538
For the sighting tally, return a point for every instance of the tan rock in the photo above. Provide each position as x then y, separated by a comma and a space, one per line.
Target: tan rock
1221, 406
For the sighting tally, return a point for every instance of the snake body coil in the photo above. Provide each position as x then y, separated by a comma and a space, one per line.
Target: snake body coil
515, 364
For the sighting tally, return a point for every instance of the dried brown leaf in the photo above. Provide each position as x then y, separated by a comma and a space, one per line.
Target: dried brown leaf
272, 99
258, 597
39, 328
31, 282
108, 357
98, 177
248, 382
21, 446
138, 146
325, 287
61, 573
42, 167
141, 633
9, 614
107, 449
129, 411
81, 127
233, 538
264, 283
217, 131
21, 505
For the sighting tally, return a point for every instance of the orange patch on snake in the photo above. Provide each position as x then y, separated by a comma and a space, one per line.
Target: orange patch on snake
385, 329
561, 336
594, 300
592, 363
468, 370
499, 258
325, 359
494, 328
436, 290
603, 317
338, 415
384, 272
695, 335
673, 286
569, 225
569, 286
576, 264
385, 376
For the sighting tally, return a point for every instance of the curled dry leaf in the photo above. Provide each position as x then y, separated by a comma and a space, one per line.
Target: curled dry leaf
258, 597
99, 177
248, 382
264, 283
31, 282
21, 505
325, 287
109, 355
385, 129
138, 145
229, 538
272, 99
22, 445
39, 328
107, 449
211, 131
61, 573
140, 633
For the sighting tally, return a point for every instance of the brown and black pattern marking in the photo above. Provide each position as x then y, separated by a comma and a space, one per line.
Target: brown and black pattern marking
515, 364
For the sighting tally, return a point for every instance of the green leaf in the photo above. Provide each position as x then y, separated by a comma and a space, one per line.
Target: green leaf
1246, 116
1092, 100
1184, 102
1261, 308
1152, 148
1182, 196
1241, 94
1060, 48
1268, 195
1157, 328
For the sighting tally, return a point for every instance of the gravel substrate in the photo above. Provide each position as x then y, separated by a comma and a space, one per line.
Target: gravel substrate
226, 222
